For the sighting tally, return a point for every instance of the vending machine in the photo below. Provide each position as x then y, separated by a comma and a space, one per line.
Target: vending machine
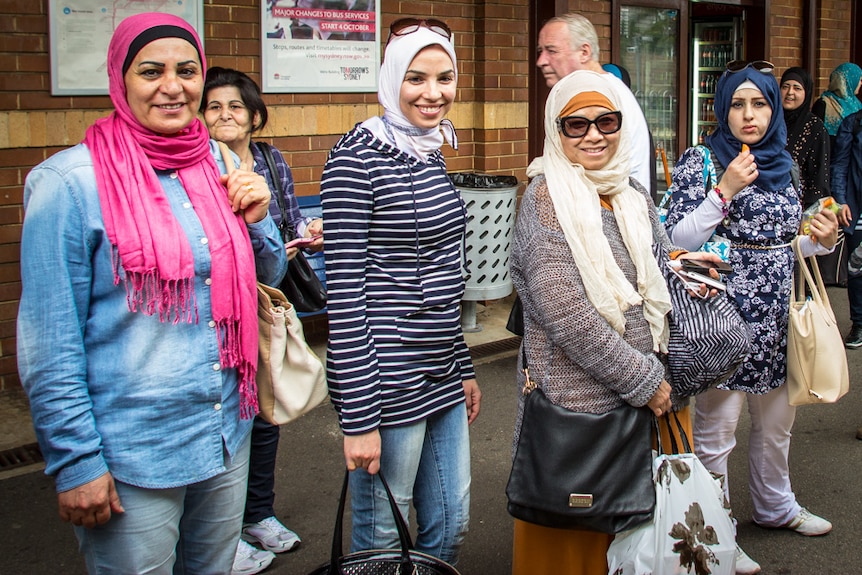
714, 44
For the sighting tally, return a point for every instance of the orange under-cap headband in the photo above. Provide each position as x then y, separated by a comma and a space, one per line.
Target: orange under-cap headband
584, 100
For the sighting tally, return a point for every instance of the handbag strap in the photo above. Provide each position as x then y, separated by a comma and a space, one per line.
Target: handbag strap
266, 150
674, 446
814, 283
530, 385
403, 532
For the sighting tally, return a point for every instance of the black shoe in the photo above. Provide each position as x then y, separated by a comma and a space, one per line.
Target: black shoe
854, 338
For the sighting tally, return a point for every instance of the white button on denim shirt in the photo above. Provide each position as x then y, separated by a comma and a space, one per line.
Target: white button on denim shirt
114, 390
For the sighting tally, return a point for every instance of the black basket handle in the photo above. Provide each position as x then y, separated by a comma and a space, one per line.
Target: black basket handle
400, 525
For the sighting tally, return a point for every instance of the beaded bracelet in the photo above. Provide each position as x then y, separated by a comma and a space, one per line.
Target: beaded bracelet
724, 208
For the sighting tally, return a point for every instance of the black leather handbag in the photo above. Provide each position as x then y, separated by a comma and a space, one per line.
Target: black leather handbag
403, 561
581, 470
300, 284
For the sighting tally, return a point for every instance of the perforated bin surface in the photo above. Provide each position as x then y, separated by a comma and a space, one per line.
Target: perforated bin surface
490, 225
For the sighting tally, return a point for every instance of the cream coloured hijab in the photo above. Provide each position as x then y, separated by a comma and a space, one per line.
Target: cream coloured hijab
399, 132
575, 194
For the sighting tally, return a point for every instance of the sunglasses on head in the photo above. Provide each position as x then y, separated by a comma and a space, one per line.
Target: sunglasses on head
405, 26
759, 65
578, 126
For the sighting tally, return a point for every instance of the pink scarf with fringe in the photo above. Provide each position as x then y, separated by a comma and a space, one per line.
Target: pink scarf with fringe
148, 243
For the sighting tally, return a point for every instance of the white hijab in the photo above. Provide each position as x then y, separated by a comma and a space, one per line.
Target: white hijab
575, 194
418, 142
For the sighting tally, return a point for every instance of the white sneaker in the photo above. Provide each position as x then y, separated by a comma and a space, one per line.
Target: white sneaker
745, 565
271, 534
250, 560
809, 524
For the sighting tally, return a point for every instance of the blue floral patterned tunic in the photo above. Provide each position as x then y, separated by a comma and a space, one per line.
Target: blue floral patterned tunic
761, 225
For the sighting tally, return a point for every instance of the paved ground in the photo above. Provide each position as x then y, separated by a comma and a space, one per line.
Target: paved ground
826, 463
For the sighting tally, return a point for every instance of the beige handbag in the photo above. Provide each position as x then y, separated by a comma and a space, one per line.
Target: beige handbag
816, 360
291, 379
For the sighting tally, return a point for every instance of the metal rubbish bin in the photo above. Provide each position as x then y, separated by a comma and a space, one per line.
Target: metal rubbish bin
491, 201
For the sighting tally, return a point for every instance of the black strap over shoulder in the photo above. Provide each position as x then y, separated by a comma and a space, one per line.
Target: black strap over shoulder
266, 150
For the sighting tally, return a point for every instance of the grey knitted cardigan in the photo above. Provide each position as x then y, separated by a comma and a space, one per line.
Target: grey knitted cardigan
573, 353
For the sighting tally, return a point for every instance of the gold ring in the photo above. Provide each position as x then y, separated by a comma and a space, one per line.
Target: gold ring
249, 187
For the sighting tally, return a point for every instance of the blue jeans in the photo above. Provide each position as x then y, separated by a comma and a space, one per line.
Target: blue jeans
426, 463
188, 529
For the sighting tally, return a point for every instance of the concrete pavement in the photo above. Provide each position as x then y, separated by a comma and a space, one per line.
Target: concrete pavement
826, 464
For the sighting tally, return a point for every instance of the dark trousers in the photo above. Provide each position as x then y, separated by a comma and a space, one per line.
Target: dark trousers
260, 495
854, 284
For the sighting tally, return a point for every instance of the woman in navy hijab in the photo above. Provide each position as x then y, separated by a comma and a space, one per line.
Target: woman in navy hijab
750, 201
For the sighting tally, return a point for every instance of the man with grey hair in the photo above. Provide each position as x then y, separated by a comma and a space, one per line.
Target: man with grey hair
568, 43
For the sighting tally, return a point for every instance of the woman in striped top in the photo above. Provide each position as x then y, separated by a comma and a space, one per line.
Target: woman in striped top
399, 371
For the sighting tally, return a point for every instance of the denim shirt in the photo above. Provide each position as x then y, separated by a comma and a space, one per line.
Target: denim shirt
112, 390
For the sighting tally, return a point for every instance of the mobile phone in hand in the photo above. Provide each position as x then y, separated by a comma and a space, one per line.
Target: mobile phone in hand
703, 266
302, 242
703, 279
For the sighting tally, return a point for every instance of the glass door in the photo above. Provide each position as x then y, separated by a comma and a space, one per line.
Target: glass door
649, 50
714, 44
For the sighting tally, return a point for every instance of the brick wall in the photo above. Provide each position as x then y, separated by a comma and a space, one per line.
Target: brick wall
490, 113
834, 48
785, 48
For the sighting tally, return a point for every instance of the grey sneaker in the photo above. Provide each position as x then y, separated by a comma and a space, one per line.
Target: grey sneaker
745, 565
271, 535
809, 524
854, 338
854, 266
250, 560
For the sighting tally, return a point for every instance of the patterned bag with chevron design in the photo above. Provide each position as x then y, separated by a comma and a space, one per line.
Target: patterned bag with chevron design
708, 338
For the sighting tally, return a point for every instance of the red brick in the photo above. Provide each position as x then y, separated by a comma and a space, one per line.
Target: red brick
23, 82
7, 329
10, 291
40, 63
10, 215
9, 234
11, 382
23, 43
24, 7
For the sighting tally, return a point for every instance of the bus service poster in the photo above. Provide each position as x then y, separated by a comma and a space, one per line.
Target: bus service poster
320, 45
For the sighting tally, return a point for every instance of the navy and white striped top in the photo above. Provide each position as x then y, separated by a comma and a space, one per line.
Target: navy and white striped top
394, 234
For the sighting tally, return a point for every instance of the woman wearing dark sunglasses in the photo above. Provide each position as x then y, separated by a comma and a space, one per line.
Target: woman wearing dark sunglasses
594, 298
399, 371
755, 206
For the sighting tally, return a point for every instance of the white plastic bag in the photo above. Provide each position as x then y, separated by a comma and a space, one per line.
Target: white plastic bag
691, 531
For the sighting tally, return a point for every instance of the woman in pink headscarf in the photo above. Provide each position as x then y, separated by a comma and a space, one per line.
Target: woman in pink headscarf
137, 331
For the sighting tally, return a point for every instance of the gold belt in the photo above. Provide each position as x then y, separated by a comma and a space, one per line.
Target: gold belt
760, 247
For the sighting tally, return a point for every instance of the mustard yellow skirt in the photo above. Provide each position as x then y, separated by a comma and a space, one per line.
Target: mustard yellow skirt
542, 550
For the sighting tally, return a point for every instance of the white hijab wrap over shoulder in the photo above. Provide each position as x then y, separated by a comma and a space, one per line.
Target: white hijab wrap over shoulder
575, 192
416, 141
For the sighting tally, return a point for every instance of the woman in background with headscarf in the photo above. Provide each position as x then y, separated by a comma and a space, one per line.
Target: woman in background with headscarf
138, 264
839, 101
808, 144
399, 371
807, 139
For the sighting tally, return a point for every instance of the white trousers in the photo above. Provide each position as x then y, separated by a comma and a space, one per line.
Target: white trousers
716, 417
